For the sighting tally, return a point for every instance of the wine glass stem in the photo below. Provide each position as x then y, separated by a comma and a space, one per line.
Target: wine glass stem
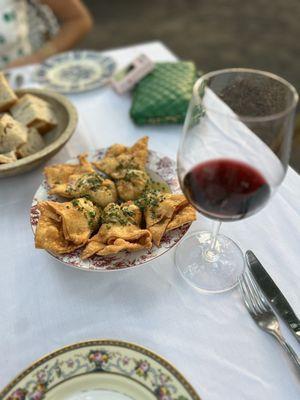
212, 254
214, 234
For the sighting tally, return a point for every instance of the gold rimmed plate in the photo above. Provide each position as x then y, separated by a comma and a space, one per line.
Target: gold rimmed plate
100, 370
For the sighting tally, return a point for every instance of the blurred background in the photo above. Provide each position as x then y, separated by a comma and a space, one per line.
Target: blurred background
263, 34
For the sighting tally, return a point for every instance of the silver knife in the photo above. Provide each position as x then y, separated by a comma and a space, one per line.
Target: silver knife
273, 294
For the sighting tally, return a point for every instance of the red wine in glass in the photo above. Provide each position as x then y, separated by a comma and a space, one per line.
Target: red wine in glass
228, 166
226, 189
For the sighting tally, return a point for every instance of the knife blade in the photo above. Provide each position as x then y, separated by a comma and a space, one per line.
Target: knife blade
273, 294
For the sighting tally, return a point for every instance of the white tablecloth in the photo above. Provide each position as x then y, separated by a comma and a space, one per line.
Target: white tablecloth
211, 339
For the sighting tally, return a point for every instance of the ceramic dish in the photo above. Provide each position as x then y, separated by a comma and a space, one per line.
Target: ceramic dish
76, 71
100, 369
161, 169
67, 118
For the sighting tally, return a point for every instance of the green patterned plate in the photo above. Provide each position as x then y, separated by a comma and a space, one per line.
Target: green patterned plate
100, 370
75, 71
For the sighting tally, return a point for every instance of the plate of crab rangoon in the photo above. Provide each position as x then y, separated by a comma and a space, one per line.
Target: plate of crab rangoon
114, 208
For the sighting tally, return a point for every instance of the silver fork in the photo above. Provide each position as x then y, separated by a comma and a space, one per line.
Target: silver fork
262, 313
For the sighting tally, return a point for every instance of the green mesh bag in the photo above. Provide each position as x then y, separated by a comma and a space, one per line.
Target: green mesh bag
162, 97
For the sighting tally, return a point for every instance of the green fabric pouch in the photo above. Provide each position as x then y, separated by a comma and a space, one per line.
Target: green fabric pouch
162, 97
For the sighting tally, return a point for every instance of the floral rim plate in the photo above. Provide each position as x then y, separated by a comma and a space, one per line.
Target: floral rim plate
160, 168
100, 369
76, 71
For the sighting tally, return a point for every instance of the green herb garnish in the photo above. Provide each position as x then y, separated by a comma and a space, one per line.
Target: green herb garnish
75, 202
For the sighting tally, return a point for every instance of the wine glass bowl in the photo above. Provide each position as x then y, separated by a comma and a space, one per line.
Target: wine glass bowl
225, 189
232, 157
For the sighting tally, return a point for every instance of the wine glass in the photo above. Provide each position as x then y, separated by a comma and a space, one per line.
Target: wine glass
232, 157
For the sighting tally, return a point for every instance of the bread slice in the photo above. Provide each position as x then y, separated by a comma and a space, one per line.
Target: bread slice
35, 142
8, 157
34, 112
7, 95
12, 134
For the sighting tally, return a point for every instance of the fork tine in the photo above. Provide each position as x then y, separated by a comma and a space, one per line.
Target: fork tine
252, 295
246, 295
255, 298
259, 296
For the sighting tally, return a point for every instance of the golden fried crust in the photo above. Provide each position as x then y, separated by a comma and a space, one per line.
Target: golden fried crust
186, 215
140, 150
99, 190
163, 208
119, 158
133, 212
49, 234
106, 194
115, 150
166, 214
132, 185
63, 227
76, 222
111, 240
108, 165
158, 230
58, 175
120, 245
120, 231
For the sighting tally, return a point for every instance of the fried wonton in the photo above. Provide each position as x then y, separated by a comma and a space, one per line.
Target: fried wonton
119, 158
99, 190
132, 185
59, 175
64, 227
182, 216
115, 150
140, 150
119, 231
164, 212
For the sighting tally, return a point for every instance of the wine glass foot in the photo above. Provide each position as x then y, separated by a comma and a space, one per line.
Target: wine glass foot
208, 272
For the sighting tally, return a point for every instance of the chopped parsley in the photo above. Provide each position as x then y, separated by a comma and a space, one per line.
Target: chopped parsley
149, 199
91, 181
114, 214
132, 174
129, 164
158, 186
127, 212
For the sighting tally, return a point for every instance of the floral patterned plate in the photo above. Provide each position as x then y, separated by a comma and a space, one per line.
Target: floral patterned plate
161, 169
75, 71
100, 370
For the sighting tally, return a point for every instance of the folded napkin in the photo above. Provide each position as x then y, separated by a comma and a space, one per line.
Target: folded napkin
163, 95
